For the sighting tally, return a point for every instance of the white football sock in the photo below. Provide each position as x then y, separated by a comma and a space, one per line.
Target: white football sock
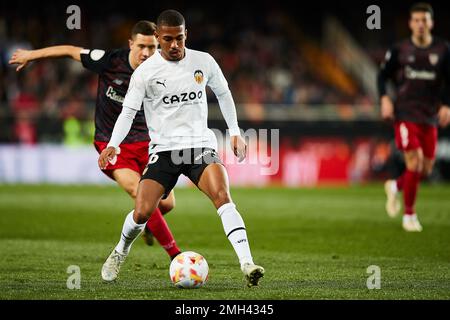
130, 232
393, 186
409, 217
234, 228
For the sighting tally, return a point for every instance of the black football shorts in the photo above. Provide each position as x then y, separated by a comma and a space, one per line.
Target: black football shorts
165, 167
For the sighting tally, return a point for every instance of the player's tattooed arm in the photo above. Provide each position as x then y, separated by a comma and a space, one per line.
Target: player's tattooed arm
22, 57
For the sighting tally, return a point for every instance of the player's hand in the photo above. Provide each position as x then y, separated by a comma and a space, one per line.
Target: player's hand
239, 147
444, 116
20, 57
106, 157
387, 108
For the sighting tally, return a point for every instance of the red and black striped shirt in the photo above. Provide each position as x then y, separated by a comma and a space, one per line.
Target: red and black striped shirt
421, 77
114, 73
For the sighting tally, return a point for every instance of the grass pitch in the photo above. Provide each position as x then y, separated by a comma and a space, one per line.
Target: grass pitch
313, 243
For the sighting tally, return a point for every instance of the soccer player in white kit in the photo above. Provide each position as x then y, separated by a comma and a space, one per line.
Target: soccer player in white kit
171, 84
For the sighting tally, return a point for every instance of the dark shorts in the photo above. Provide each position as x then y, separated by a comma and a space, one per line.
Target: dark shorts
412, 136
132, 156
165, 167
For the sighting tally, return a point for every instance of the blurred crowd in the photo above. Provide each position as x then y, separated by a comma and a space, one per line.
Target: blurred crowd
263, 63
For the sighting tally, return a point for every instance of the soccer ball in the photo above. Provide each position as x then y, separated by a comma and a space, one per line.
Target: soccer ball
189, 270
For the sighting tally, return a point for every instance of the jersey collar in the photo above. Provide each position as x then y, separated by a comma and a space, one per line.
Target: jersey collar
422, 48
186, 54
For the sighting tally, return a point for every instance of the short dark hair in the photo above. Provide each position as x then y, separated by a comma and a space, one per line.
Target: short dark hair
147, 28
170, 18
422, 7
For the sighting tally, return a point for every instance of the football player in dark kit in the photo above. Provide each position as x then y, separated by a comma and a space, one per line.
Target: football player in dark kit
115, 68
420, 70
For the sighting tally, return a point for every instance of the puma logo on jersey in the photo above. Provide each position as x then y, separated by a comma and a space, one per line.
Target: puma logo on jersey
118, 81
161, 83
183, 97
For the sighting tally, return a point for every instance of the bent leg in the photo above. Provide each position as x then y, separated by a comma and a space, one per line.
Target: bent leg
411, 179
148, 196
149, 193
157, 226
428, 165
128, 180
429, 146
214, 183
167, 205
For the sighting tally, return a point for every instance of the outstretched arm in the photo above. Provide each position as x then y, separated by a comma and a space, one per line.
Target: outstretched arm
23, 57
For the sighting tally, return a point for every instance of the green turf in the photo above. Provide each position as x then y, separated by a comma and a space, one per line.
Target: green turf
314, 244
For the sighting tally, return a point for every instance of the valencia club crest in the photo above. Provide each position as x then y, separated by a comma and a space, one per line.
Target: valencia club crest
198, 76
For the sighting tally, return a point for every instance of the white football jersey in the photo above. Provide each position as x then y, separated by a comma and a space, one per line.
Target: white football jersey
174, 99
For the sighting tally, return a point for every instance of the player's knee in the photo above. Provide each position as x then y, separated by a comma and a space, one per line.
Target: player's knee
142, 213
131, 189
139, 218
221, 197
427, 171
167, 206
133, 193
415, 164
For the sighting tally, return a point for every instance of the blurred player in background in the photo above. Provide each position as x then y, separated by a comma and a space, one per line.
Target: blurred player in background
172, 85
420, 69
115, 68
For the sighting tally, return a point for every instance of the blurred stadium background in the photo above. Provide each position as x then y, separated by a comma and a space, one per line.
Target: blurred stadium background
308, 70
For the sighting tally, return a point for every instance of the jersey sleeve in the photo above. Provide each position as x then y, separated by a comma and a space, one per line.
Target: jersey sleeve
219, 85
446, 92
136, 91
122, 126
387, 69
95, 60
216, 79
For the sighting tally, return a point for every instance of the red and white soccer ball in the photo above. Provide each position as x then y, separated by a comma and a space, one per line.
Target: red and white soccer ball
189, 270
